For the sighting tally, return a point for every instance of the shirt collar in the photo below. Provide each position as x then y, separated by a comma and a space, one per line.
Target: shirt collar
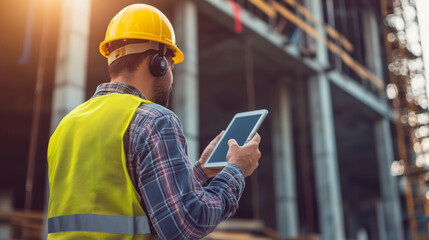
118, 87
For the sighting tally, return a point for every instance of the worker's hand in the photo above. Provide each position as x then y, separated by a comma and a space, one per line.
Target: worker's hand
210, 172
246, 156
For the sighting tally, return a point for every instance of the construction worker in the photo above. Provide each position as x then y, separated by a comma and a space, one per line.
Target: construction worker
118, 163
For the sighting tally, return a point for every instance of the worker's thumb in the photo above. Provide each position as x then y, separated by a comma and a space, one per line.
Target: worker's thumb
232, 143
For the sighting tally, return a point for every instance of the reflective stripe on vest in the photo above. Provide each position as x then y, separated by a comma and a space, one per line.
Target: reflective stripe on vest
99, 223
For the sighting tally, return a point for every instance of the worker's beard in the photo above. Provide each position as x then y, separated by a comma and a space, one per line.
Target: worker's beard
161, 92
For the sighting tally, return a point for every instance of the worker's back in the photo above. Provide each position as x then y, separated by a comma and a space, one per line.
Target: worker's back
91, 194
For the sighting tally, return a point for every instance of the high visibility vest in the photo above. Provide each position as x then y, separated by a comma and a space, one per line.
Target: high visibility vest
91, 193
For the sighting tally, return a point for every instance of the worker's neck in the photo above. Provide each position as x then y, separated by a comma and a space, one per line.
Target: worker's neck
142, 82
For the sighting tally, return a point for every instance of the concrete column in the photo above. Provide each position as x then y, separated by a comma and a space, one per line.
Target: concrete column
373, 55
323, 141
71, 64
185, 93
389, 186
362, 234
325, 158
6, 204
72, 56
284, 166
381, 221
351, 220
316, 8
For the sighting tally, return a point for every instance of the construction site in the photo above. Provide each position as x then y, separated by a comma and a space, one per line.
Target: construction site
345, 147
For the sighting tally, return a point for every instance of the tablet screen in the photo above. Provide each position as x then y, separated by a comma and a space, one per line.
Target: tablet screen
239, 130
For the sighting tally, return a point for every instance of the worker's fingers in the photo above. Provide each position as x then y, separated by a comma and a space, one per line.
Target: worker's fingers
232, 143
256, 139
217, 138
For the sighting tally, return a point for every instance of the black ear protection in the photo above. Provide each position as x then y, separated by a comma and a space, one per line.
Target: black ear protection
158, 64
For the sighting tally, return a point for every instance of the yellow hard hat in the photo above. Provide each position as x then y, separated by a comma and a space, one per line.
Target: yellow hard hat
141, 21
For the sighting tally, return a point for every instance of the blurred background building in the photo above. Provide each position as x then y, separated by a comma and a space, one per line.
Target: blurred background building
343, 149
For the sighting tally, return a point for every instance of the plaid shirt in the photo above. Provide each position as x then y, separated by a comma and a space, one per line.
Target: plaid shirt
175, 194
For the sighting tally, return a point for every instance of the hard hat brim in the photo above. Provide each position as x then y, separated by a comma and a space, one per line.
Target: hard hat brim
179, 57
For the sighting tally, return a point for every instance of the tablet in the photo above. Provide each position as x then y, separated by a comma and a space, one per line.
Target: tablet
242, 128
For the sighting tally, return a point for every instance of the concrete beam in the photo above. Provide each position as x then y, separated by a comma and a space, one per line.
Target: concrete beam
264, 37
325, 159
284, 166
356, 90
185, 94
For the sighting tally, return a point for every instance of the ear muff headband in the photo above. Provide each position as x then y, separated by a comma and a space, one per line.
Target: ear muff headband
131, 49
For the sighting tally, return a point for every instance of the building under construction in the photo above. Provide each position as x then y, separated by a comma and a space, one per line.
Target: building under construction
343, 148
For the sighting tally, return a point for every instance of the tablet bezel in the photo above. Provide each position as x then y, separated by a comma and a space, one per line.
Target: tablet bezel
262, 114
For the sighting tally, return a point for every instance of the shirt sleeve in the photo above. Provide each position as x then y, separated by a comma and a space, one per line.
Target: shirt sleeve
199, 174
177, 204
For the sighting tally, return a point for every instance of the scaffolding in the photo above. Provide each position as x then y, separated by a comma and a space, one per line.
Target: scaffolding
407, 90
